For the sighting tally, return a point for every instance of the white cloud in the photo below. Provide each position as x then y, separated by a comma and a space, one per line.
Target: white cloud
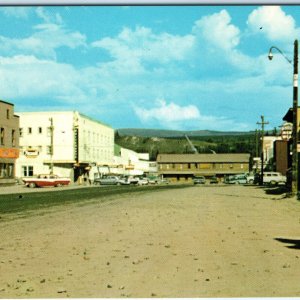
168, 112
217, 30
48, 18
273, 22
16, 12
43, 42
178, 117
29, 77
142, 44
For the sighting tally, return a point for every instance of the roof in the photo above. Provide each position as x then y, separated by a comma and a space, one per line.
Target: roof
289, 115
203, 158
2, 101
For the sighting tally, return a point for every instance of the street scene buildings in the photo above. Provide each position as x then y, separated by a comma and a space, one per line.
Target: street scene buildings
71, 144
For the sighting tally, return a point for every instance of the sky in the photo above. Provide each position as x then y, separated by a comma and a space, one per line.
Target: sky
158, 67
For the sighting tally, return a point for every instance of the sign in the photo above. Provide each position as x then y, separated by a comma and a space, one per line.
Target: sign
9, 153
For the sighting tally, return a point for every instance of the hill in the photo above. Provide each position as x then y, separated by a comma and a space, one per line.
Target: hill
162, 133
243, 143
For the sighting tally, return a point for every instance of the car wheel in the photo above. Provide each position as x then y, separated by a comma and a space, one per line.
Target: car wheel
251, 181
32, 185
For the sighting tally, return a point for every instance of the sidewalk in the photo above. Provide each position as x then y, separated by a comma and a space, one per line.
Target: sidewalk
20, 188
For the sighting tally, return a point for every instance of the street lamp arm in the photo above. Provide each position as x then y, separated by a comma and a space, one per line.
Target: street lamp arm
270, 56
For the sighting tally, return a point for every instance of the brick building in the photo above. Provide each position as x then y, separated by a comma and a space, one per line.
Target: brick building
9, 142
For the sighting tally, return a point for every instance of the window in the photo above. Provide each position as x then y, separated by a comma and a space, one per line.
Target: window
21, 132
13, 138
189, 166
2, 134
6, 170
29, 130
40, 130
27, 171
7, 114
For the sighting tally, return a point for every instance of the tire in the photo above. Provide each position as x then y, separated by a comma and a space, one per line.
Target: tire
251, 181
32, 185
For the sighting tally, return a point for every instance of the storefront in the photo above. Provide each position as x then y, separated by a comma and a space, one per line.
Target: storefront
8, 157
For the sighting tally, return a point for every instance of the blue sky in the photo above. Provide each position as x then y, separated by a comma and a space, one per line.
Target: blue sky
168, 67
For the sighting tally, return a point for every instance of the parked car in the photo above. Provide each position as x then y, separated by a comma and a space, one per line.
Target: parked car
199, 180
238, 179
164, 181
274, 178
44, 180
213, 180
107, 180
152, 180
143, 181
227, 178
123, 181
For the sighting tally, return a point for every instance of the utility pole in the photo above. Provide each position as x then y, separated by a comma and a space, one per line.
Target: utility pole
295, 123
294, 183
262, 123
51, 144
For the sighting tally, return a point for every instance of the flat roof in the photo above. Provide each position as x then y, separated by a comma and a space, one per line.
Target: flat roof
203, 158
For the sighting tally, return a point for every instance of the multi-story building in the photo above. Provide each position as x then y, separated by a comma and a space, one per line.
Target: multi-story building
9, 142
182, 167
65, 143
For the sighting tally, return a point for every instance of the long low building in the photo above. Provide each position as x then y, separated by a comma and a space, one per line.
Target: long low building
183, 167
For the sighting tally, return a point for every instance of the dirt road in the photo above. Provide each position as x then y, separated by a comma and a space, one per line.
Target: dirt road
202, 241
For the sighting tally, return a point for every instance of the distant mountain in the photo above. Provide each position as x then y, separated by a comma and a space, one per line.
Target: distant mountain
175, 133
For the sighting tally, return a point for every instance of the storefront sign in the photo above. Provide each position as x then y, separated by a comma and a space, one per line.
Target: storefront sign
9, 153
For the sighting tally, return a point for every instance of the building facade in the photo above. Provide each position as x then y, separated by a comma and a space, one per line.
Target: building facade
183, 167
9, 142
133, 163
64, 143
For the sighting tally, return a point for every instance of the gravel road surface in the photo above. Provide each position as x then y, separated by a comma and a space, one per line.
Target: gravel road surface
200, 241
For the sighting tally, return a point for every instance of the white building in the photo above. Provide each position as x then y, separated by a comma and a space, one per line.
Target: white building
130, 162
66, 143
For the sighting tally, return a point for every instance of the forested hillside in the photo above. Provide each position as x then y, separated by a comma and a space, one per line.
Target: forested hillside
245, 143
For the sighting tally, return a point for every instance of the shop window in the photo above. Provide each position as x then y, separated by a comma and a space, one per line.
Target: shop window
6, 170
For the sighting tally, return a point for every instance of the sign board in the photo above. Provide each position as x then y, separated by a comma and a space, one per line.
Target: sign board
9, 153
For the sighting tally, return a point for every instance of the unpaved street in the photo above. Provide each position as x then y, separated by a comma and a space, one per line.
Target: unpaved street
202, 241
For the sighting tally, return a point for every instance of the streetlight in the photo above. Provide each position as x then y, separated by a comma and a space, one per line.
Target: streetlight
294, 186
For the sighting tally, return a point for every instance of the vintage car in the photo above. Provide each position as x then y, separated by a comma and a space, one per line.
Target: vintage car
44, 180
199, 180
